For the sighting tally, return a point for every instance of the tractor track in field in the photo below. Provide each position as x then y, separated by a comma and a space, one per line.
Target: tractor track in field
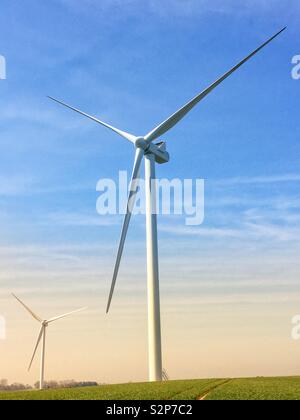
204, 396
190, 389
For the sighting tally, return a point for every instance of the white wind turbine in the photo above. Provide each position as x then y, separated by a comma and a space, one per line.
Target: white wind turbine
153, 153
42, 336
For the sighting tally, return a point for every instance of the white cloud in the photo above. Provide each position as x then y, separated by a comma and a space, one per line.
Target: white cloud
82, 219
28, 111
274, 179
179, 8
202, 231
25, 185
247, 228
15, 185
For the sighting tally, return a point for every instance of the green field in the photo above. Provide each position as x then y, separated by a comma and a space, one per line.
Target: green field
258, 389
211, 389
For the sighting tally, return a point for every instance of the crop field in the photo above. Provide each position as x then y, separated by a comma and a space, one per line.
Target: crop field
258, 389
172, 390
211, 389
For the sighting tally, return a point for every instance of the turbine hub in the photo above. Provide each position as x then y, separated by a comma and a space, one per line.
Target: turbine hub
140, 143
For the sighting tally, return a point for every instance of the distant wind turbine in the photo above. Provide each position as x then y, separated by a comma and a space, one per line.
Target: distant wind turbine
42, 336
153, 153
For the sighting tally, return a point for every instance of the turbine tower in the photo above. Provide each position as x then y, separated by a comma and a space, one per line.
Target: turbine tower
42, 336
153, 153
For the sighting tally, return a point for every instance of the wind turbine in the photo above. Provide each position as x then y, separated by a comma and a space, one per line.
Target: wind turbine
153, 153
42, 336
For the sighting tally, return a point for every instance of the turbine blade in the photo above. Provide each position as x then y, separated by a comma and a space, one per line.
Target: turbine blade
65, 315
28, 309
127, 136
36, 346
130, 205
175, 118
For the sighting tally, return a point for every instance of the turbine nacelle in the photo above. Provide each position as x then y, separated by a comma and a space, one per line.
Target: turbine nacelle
159, 150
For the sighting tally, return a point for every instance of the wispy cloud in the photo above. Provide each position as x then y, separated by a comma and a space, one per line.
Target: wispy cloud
273, 179
41, 113
202, 231
249, 227
180, 8
16, 185
26, 185
82, 219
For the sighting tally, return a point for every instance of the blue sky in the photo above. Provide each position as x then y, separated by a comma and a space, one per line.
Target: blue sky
133, 63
